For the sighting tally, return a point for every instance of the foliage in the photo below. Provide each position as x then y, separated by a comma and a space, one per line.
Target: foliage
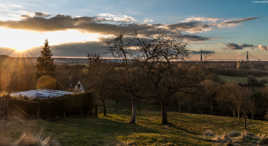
45, 63
46, 82
52, 108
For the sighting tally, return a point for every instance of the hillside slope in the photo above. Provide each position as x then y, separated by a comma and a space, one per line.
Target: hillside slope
186, 129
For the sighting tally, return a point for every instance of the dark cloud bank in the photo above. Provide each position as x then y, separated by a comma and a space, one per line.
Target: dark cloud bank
184, 30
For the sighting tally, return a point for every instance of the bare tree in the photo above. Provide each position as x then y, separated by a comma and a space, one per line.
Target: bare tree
130, 73
210, 91
164, 78
100, 79
151, 71
235, 96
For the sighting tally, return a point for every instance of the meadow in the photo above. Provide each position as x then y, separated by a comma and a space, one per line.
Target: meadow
185, 129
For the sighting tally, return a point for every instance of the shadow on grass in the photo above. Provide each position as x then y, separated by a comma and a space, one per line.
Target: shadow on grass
183, 129
192, 134
78, 132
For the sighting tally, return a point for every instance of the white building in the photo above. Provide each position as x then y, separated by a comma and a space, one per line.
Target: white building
79, 88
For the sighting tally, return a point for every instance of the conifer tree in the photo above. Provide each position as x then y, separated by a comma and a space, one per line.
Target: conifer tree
45, 62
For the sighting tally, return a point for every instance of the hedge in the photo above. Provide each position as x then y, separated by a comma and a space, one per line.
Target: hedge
51, 108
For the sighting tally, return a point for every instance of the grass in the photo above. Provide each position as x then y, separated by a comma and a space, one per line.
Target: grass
186, 129
233, 79
242, 80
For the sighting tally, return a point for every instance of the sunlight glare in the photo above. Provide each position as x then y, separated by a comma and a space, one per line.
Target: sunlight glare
22, 40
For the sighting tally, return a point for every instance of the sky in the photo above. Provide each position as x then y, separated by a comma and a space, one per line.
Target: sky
228, 28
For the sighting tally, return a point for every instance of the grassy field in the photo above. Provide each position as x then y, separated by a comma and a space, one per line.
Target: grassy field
233, 79
239, 79
186, 129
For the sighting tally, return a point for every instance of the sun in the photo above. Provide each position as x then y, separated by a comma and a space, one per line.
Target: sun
17, 39
23, 40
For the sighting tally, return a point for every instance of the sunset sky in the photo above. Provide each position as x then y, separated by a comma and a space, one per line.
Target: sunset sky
77, 27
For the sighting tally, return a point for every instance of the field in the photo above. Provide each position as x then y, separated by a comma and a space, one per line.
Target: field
186, 129
237, 79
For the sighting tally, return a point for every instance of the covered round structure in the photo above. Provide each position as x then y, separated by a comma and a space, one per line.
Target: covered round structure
41, 94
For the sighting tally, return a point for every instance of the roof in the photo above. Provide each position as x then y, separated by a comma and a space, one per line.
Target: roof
41, 94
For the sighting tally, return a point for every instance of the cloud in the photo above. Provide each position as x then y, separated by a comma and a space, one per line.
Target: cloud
205, 24
101, 47
64, 22
41, 22
110, 24
234, 46
191, 27
201, 19
207, 52
58, 22
260, 2
75, 49
116, 18
235, 22
41, 14
148, 20
193, 38
11, 11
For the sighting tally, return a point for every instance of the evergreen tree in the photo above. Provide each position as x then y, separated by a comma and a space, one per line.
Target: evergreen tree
45, 63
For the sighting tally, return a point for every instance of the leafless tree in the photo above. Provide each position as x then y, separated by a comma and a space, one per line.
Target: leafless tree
99, 79
235, 96
130, 73
159, 57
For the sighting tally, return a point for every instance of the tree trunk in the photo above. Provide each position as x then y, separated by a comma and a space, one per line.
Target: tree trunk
164, 114
252, 115
234, 115
133, 111
211, 108
178, 107
104, 108
245, 123
238, 114
96, 111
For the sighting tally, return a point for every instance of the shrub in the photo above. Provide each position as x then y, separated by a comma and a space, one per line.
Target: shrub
46, 82
52, 108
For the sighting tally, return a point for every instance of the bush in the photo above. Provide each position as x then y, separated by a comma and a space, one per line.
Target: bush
46, 82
